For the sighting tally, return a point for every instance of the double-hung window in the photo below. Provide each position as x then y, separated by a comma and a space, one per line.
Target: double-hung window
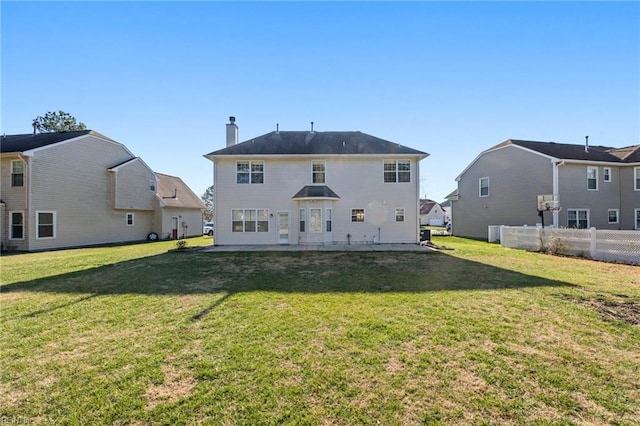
249, 220
318, 170
45, 224
578, 218
612, 215
592, 178
483, 185
17, 173
303, 220
397, 171
636, 178
16, 225
357, 215
328, 215
129, 219
606, 174
399, 215
636, 214
250, 172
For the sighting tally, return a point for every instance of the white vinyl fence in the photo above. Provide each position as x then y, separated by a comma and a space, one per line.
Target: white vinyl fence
599, 244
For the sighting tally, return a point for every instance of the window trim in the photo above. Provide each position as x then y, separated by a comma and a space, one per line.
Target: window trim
318, 228
257, 228
250, 172
606, 174
11, 237
636, 178
402, 214
595, 179
396, 171
578, 217
355, 216
480, 186
328, 219
126, 219
636, 218
152, 185
302, 220
17, 174
617, 216
323, 172
53, 225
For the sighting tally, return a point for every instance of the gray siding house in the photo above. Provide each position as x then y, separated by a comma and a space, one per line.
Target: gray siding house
315, 188
594, 186
71, 189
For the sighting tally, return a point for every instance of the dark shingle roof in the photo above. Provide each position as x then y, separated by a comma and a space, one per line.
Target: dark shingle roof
316, 143
315, 191
25, 142
566, 151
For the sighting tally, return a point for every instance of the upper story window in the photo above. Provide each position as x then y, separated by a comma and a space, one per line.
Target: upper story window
397, 171
250, 172
636, 175
152, 185
606, 174
17, 173
484, 187
318, 171
592, 178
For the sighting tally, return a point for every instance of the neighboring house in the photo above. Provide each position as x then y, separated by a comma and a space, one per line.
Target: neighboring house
432, 213
72, 189
180, 212
306, 187
446, 207
594, 186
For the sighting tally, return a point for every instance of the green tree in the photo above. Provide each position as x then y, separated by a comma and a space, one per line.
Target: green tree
209, 202
57, 122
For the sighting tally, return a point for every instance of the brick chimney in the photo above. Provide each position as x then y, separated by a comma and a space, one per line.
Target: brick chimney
232, 132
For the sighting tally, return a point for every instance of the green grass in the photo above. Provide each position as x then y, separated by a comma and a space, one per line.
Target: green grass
476, 335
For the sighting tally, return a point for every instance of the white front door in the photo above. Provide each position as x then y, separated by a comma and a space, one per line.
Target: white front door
283, 227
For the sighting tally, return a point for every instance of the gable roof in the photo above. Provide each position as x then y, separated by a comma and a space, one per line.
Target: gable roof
316, 143
565, 151
173, 192
26, 142
426, 206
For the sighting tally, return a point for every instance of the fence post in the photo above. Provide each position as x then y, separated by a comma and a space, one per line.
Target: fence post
540, 239
501, 240
592, 243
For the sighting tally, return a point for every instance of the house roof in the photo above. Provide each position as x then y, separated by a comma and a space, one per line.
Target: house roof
316, 143
453, 195
426, 206
173, 192
564, 151
315, 191
26, 142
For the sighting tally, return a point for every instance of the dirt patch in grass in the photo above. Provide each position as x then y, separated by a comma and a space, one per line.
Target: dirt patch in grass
177, 384
627, 311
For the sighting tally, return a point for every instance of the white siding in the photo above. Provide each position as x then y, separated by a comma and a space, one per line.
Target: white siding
358, 181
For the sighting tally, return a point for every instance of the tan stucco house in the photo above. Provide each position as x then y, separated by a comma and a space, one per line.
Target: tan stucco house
72, 189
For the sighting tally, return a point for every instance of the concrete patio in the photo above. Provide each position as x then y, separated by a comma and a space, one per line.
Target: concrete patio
332, 247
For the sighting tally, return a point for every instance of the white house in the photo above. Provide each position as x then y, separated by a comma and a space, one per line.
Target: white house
310, 187
432, 213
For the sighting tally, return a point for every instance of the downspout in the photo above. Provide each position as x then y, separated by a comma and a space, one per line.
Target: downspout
556, 194
417, 227
27, 194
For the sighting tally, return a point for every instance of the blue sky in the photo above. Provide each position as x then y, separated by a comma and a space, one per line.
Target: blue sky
448, 78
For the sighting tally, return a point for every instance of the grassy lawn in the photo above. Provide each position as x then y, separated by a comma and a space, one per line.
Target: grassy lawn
475, 335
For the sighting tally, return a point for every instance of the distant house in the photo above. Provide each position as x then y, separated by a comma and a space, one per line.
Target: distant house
593, 186
72, 189
432, 213
180, 211
311, 187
